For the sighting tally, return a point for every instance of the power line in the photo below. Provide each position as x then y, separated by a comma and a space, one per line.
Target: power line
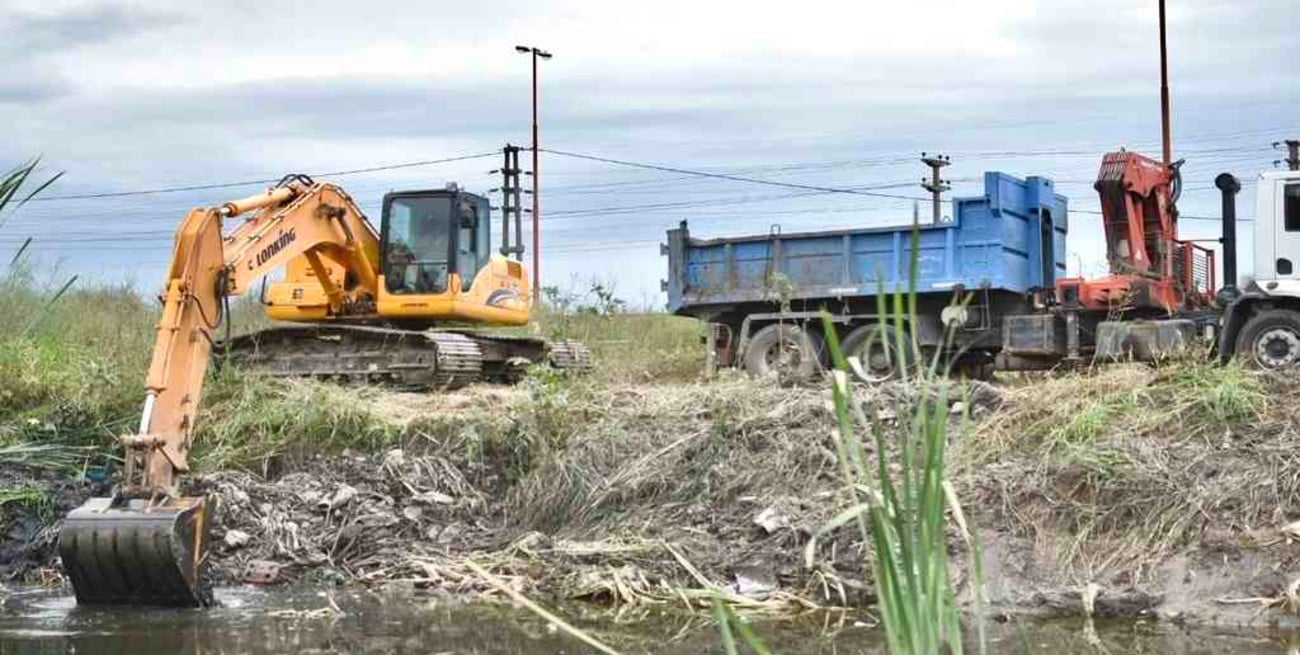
725, 176
228, 185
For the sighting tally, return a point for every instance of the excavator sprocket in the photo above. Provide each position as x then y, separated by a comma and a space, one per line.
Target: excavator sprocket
438, 359
132, 552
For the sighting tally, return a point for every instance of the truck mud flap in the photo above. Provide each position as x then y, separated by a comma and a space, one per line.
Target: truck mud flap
130, 552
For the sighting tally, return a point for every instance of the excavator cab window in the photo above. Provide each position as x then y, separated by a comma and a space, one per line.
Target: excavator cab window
417, 248
472, 240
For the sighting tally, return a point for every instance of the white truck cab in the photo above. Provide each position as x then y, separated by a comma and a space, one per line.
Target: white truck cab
1261, 321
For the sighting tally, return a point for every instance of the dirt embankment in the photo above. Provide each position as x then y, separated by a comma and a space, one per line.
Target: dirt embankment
1134, 491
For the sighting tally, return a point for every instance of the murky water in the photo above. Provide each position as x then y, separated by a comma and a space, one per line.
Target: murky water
307, 621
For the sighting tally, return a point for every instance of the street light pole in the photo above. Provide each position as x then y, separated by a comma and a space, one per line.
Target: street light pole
1167, 147
536, 53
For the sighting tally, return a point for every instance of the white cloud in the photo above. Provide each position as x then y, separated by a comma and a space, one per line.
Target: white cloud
143, 94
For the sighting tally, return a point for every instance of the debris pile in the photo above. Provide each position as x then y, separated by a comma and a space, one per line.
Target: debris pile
636, 495
341, 518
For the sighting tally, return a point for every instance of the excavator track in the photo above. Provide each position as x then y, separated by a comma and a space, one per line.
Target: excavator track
427, 359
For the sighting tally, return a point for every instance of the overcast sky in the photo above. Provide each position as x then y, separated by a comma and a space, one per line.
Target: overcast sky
143, 95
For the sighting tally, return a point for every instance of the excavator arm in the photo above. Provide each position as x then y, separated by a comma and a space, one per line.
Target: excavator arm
146, 544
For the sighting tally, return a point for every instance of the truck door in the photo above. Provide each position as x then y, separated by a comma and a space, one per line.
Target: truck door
1286, 233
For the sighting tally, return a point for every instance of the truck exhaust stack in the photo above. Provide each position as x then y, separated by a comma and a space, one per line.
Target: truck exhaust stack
1229, 186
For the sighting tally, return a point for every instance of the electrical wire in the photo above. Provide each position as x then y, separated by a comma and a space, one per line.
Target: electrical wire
228, 185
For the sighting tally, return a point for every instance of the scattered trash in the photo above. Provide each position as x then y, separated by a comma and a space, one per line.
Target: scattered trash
745, 585
236, 539
1291, 531
262, 572
343, 496
771, 520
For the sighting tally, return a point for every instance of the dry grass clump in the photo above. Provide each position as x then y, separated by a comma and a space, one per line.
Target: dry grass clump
1113, 469
676, 454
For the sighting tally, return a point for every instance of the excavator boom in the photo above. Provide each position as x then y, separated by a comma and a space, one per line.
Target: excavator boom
147, 544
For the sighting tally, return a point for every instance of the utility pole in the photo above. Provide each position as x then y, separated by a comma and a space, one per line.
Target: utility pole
511, 207
536, 53
1166, 139
1292, 160
934, 184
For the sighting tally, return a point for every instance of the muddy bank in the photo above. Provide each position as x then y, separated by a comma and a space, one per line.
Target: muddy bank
31, 502
649, 495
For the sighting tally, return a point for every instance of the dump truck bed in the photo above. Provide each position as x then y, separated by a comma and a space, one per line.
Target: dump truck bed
1012, 238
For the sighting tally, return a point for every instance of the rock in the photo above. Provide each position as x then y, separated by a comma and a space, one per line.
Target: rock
236, 539
412, 513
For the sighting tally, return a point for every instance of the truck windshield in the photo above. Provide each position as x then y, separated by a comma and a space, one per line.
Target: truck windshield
417, 244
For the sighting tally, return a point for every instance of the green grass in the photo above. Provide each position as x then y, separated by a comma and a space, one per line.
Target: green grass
72, 369
1088, 415
901, 503
651, 347
258, 423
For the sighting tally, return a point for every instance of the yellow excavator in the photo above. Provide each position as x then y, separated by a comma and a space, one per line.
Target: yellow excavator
373, 305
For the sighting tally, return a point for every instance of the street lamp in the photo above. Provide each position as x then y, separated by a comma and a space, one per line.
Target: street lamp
537, 53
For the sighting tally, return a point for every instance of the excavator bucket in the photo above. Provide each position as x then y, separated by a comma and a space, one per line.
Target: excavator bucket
131, 552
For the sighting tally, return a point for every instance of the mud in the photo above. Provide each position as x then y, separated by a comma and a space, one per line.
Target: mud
29, 528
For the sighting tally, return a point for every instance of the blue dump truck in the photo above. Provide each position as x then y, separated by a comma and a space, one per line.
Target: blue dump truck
761, 295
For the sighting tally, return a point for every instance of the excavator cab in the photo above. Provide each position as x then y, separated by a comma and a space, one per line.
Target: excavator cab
432, 239
436, 261
435, 265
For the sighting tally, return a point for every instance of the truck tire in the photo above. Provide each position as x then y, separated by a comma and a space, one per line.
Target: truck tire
1270, 339
793, 353
876, 348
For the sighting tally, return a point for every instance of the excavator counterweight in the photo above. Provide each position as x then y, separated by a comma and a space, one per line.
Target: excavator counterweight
374, 305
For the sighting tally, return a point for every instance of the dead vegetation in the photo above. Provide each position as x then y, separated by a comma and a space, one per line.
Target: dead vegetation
631, 495
1111, 473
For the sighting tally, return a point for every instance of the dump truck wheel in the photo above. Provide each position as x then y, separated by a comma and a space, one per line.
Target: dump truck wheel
876, 348
790, 351
1271, 339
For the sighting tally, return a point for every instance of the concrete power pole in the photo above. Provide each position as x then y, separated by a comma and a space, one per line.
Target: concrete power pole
935, 184
1292, 160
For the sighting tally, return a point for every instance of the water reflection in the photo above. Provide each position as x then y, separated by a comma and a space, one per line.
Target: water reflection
308, 621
